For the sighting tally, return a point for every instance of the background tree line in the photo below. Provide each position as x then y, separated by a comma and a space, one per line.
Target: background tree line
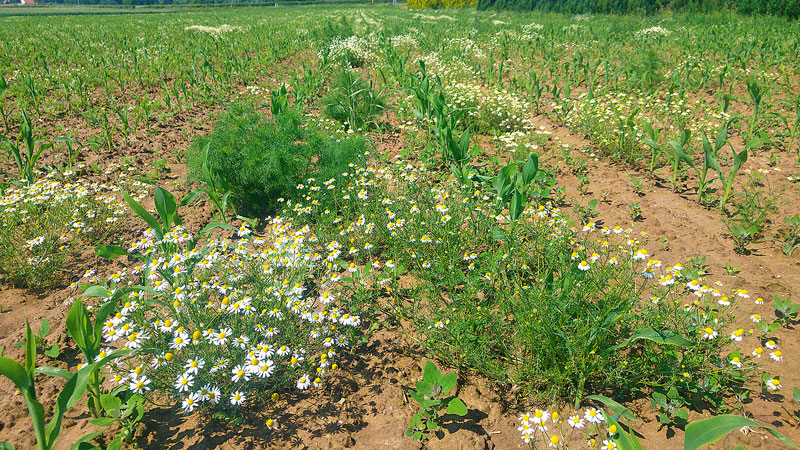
788, 8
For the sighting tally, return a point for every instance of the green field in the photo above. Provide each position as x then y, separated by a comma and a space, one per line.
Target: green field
256, 225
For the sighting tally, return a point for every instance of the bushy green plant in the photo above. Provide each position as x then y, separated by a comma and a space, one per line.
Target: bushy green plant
353, 100
537, 304
260, 161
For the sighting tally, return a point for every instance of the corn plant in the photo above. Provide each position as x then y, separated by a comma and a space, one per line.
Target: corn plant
3, 113
679, 153
793, 129
215, 187
72, 148
22, 376
26, 150
40, 341
709, 161
756, 92
652, 141
279, 102
88, 336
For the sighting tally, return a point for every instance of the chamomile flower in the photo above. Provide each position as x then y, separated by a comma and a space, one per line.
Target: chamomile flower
303, 382
184, 382
709, 334
190, 402
139, 384
575, 422
593, 416
240, 373
237, 398
773, 384
737, 335
193, 365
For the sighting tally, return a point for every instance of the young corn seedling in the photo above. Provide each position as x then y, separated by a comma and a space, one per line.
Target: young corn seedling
709, 161
679, 154
26, 150
739, 158
40, 341
3, 112
652, 141
22, 376
279, 101
756, 92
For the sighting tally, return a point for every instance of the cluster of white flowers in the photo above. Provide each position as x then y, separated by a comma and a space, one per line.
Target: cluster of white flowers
214, 31
353, 50
654, 31
228, 321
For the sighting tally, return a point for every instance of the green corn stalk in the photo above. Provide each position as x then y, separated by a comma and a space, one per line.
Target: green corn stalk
652, 141
30, 84
756, 92
22, 376
3, 113
709, 161
26, 150
679, 154
279, 101
738, 160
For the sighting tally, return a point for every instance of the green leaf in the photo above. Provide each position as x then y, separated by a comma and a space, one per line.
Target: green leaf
448, 383
166, 207
102, 421
613, 405
110, 251
431, 374
110, 402
45, 328
707, 431
623, 440
498, 234
15, 372
97, 291
85, 439
417, 396
30, 349
214, 225
55, 372
517, 205
53, 351
6, 446
530, 169
144, 215
424, 387
457, 407
78, 325
657, 336
190, 197
796, 394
